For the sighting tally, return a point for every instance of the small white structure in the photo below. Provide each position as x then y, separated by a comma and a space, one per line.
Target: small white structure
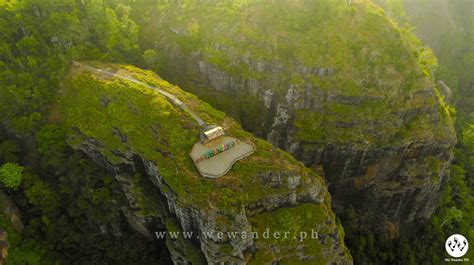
213, 133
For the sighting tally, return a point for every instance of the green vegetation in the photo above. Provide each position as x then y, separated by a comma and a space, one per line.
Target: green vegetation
301, 224
373, 59
152, 59
39, 38
447, 26
126, 117
11, 175
160, 132
9, 150
191, 252
453, 216
57, 209
67, 201
23, 250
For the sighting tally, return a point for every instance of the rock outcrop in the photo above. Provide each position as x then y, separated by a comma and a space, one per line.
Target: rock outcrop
11, 218
445, 91
338, 86
266, 191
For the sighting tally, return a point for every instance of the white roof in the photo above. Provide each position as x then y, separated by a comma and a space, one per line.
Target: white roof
210, 132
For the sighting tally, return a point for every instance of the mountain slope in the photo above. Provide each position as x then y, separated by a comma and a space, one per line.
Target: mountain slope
337, 85
144, 141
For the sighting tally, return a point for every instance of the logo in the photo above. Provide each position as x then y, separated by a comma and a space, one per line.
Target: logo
456, 245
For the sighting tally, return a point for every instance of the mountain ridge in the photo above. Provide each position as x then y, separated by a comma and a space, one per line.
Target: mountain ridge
278, 185
339, 86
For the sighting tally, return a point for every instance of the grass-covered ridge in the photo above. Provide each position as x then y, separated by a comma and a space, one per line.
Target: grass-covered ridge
126, 117
373, 61
111, 109
295, 220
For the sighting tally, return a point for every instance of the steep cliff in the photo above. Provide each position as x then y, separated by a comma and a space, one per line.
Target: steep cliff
335, 84
144, 141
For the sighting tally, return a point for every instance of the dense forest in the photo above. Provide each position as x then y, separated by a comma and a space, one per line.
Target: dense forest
60, 206
57, 189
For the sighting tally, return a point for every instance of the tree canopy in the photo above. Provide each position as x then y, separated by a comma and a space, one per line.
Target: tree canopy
11, 175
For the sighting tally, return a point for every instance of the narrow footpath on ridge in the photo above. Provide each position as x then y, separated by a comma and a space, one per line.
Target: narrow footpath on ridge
211, 166
171, 97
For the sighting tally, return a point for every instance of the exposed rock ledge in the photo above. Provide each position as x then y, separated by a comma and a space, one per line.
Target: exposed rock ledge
144, 142
202, 221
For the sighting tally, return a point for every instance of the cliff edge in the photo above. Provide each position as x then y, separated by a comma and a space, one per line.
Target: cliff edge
143, 141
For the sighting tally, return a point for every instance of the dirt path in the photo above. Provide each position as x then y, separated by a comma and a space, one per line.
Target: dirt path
171, 97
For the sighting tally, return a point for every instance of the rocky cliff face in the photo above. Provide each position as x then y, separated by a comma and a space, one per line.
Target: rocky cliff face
143, 140
11, 223
204, 221
335, 85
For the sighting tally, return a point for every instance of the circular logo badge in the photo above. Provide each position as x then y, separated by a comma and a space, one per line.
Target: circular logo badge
456, 245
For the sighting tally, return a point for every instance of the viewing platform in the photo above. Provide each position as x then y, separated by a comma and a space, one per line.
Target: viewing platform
216, 153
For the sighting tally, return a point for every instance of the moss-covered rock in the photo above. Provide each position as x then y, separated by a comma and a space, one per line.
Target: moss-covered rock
135, 132
336, 84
